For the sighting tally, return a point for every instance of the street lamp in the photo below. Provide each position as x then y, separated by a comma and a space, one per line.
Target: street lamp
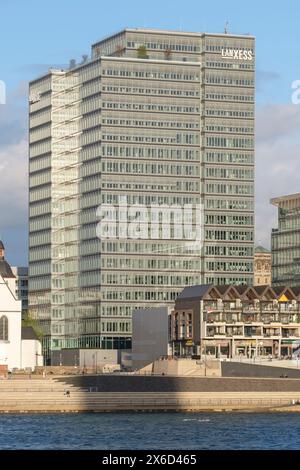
94, 368
260, 348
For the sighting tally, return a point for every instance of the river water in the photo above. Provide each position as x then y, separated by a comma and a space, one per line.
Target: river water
151, 431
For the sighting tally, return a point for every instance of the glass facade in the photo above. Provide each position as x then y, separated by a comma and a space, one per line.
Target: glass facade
159, 119
286, 242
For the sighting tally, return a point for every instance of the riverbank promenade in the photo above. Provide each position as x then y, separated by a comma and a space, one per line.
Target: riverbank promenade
111, 393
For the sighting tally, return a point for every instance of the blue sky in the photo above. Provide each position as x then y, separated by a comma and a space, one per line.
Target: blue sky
35, 35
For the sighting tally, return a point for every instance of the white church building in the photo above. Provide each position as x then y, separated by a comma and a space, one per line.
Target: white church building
19, 348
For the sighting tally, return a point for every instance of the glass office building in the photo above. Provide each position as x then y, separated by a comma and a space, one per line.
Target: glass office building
286, 242
157, 119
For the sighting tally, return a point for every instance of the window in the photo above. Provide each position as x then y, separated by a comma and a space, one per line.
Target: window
3, 328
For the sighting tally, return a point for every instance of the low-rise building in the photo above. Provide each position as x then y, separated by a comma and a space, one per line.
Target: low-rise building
19, 348
262, 267
235, 321
31, 349
10, 327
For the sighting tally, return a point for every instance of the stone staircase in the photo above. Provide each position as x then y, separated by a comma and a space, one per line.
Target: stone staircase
49, 395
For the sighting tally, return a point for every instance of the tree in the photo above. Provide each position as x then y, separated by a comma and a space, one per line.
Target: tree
168, 54
142, 52
29, 321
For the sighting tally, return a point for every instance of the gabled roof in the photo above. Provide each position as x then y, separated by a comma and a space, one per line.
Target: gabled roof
228, 292
29, 333
247, 293
5, 269
194, 292
261, 249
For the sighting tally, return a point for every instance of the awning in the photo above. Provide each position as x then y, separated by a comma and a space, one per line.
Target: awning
291, 341
215, 342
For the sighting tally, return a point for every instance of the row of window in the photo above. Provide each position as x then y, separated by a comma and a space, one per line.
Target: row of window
236, 113
144, 187
150, 123
229, 128
222, 80
211, 219
181, 139
229, 204
235, 251
152, 74
219, 47
288, 240
131, 280
167, 107
189, 186
229, 65
139, 296
150, 263
221, 96
148, 152
218, 280
174, 91
229, 235
229, 266
150, 168
232, 157
165, 46
218, 188
230, 173
243, 143
159, 248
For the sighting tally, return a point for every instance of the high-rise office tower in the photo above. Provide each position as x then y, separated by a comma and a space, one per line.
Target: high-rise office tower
155, 119
286, 241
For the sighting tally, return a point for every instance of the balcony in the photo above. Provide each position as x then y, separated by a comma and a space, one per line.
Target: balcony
290, 334
253, 332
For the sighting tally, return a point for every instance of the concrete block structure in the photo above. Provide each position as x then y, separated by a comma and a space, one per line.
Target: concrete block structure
149, 335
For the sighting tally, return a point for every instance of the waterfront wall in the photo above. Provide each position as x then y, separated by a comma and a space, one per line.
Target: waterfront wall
146, 384
236, 369
183, 367
59, 396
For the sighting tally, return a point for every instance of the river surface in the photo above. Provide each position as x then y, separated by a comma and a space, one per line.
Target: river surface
171, 431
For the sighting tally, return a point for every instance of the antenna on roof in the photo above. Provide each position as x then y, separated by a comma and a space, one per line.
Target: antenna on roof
226, 27
72, 63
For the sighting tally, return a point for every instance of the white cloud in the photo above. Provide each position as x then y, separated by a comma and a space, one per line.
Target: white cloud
13, 185
277, 163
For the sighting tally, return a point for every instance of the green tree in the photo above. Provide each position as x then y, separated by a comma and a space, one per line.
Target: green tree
28, 321
142, 52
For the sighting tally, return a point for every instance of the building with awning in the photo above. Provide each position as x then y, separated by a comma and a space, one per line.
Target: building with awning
235, 321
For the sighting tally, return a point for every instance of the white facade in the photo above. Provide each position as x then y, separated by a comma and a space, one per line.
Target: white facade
10, 327
31, 354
